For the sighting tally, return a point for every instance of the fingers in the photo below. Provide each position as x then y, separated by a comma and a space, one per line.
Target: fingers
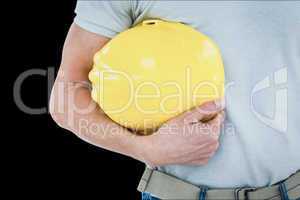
204, 112
211, 129
192, 116
220, 103
216, 124
212, 107
218, 120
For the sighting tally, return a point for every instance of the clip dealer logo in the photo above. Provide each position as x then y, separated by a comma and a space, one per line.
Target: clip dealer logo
278, 82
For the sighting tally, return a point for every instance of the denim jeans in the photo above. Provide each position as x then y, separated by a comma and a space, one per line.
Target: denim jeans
147, 196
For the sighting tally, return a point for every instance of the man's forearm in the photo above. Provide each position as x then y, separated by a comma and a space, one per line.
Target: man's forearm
79, 114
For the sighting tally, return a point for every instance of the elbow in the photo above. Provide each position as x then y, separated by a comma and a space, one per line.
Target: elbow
57, 111
58, 118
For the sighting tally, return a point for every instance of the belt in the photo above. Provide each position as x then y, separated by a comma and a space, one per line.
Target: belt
167, 187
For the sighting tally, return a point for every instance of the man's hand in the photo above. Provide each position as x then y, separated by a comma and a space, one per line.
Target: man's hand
185, 139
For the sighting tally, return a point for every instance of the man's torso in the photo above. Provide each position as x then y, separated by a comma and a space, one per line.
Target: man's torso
260, 43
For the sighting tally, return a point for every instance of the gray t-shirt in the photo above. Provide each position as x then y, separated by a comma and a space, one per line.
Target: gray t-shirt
260, 44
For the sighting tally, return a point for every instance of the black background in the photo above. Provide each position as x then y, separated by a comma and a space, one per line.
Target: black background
43, 159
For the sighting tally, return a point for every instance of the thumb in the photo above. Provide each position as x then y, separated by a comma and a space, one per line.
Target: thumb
207, 110
212, 107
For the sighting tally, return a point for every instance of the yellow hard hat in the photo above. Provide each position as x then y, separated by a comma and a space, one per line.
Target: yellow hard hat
154, 71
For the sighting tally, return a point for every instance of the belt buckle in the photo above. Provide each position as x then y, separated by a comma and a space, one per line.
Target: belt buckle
242, 193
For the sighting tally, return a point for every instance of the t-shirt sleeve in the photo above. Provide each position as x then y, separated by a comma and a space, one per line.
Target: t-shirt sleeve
107, 18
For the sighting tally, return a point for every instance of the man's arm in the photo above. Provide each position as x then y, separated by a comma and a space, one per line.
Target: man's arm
71, 106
